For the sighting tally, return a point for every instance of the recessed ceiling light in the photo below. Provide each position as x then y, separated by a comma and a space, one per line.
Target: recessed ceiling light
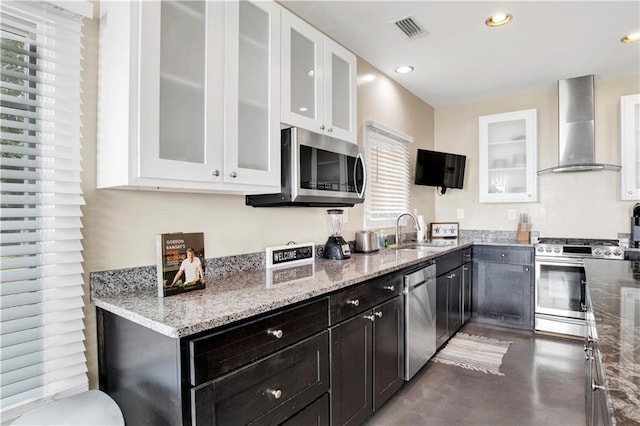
630, 38
498, 19
404, 69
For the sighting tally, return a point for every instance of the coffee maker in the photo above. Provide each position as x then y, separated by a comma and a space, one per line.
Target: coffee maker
634, 239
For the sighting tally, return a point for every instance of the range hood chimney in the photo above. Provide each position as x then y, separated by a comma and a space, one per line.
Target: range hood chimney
576, 136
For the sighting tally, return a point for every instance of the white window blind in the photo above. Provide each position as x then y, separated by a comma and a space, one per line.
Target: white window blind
387, 158
41, 324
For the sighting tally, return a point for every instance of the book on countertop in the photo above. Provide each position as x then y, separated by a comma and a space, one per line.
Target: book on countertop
180, 262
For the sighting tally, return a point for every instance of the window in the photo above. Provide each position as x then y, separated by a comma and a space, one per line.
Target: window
41, 322
387, 157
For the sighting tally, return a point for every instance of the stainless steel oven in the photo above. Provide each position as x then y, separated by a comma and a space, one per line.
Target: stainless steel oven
560, 282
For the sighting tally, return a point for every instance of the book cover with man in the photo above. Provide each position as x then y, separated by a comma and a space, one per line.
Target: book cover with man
180, 262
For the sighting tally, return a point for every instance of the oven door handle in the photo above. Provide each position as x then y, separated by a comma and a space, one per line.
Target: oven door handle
583, 296
560, 262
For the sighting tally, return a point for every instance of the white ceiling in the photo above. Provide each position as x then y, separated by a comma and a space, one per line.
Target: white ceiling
462, 60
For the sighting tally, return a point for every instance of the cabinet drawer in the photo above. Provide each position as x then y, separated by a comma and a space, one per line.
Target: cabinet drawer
466, 255
213, 355
268, 391
512, 255
357, 299
448, 262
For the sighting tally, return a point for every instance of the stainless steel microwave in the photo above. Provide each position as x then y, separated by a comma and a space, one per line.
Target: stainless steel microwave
317, 171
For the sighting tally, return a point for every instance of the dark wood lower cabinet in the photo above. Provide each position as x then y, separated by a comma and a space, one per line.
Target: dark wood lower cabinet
316, 414
503, 286
366, 362
268, 391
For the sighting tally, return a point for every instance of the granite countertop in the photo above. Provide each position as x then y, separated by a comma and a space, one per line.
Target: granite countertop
614, 289
245, 293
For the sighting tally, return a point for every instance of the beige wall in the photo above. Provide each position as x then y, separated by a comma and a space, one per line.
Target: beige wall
120, 226
569, 205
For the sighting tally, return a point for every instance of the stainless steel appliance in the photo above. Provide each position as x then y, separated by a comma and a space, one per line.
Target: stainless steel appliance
336, 247
634, 240
560, 281
317, 171
420, 318
367, 241
576, 128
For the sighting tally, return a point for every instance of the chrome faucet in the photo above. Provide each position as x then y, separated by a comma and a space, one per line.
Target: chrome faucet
398, 225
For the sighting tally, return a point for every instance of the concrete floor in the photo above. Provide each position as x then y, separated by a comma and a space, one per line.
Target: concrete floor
543, 385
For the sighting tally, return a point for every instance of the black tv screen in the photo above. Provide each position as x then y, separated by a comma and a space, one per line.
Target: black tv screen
441, 169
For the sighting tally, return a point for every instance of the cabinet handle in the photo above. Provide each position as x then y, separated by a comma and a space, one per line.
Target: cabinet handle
583, 307
390, 287
322, 127
630, 192
277, 393
233, 174
464, 268
588, 357
467, 255
370, 317
526, 268
354, 302
450, 276
216, 172
595, 386
276, 333
503, 255
330, 129
378, 314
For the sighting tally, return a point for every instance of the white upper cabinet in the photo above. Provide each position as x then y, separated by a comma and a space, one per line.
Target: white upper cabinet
252, 128
318, 81
508, 157
169, 117
630, 147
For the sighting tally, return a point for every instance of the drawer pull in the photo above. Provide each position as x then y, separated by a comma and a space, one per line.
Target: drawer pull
390, 287
276, 333
370, 317
378, 314
503, 255
277, 393
451, 276
354, 302
595, 386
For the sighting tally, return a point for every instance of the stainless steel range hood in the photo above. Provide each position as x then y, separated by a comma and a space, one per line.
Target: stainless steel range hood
576, 136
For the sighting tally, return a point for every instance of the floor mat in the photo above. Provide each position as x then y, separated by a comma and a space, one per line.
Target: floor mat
474, 353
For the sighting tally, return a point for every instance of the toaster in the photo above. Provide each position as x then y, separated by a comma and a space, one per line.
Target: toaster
367, 241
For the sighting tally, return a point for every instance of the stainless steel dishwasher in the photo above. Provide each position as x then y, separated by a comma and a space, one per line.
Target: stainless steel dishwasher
420, 318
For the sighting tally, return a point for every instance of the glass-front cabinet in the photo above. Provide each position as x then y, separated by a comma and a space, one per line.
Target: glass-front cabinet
181, 106
508, 157
318, 81
252, 92
189, 96
630, 147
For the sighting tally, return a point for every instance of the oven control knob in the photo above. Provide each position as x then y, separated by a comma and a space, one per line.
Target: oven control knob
556, 249
548, 249
540, 249
617, 253
597, 252
607, 252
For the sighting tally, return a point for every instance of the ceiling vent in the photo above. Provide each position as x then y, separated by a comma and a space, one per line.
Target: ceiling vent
410, 27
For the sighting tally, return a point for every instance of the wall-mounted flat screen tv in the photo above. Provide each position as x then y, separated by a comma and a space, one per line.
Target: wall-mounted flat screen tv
440, 169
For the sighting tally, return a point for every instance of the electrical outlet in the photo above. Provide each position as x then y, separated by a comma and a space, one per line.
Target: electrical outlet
511, 214
460, 213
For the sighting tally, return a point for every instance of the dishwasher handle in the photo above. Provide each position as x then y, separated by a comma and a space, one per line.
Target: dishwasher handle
419, 277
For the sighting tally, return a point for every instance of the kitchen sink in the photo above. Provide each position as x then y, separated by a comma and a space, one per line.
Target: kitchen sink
426, 246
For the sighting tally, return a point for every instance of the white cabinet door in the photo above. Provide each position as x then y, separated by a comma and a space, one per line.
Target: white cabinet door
181, 94
508, 157
318, 81
340, 91
252, 93
630, 147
